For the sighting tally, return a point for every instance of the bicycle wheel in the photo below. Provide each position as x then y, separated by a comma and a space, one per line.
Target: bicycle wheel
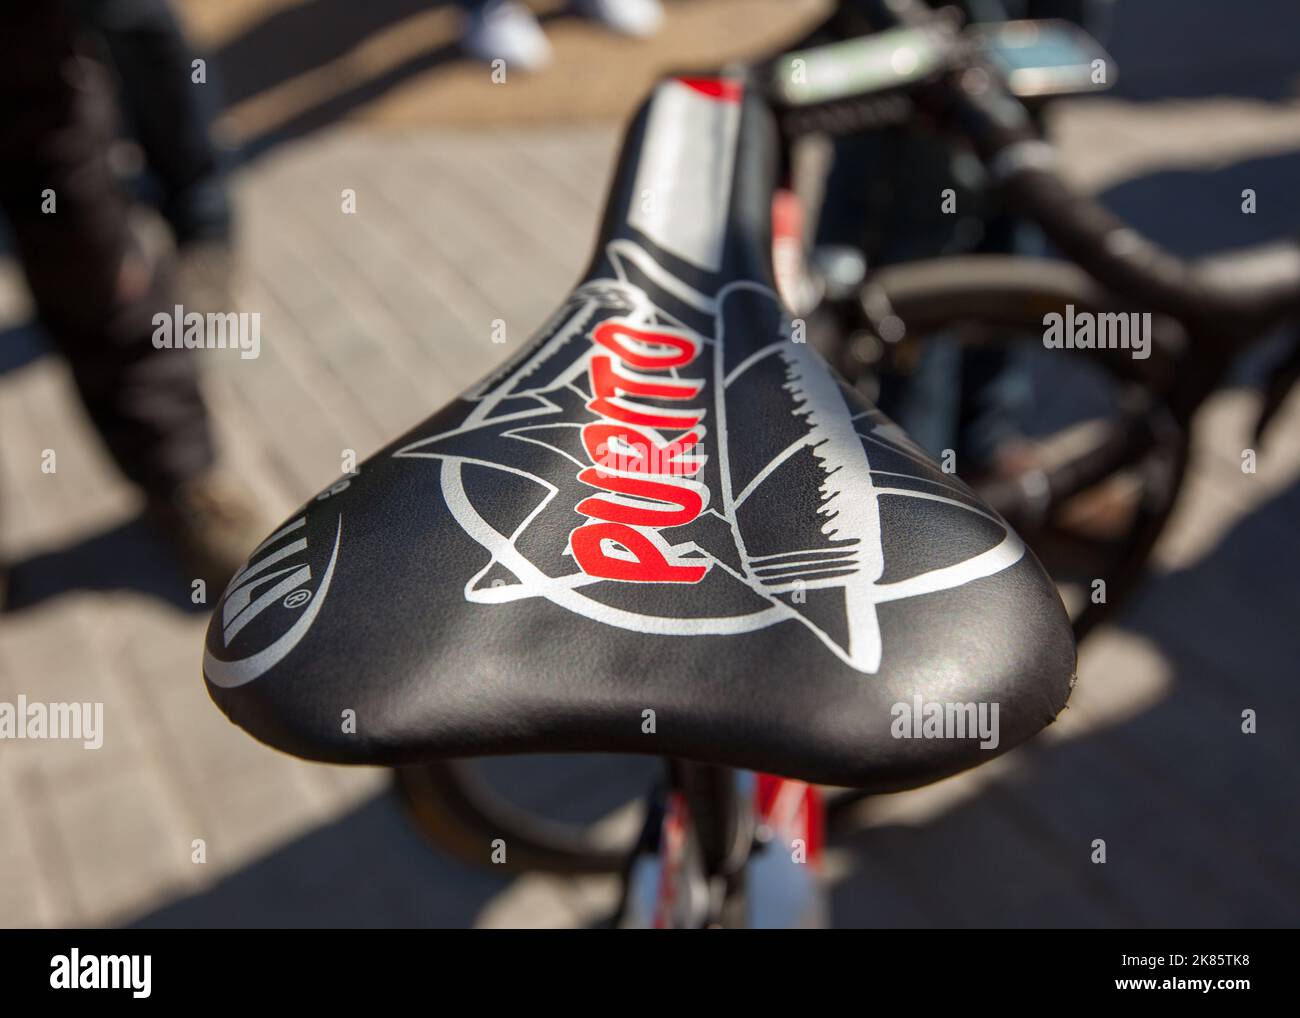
519, 814
1116, 456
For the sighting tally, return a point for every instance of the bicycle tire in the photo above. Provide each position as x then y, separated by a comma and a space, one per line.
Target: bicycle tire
1012, 293
452, 808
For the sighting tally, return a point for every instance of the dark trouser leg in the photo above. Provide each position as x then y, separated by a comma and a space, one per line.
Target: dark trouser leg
170, 114
94, 289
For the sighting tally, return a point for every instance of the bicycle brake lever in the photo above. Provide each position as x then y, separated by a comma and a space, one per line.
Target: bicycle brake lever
1281, 380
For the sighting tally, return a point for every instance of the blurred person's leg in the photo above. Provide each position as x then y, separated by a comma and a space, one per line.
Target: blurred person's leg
504, 30
92, 282
96, 287
172, 118
170, 114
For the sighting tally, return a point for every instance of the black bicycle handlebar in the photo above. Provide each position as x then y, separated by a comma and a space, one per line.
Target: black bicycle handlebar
1220, 292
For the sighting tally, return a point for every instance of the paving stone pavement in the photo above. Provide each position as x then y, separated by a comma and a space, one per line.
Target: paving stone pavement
372, 320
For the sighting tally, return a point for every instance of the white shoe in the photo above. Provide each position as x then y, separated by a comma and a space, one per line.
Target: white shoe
639, 18
507, 30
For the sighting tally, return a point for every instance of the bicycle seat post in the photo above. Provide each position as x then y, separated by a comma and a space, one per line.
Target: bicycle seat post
720, 805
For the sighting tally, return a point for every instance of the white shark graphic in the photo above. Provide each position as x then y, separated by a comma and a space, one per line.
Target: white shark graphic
523, 405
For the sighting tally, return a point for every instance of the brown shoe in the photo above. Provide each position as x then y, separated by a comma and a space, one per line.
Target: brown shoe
205, 277
212, 522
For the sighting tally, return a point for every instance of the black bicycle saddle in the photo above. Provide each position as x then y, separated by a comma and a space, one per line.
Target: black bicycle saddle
664, 527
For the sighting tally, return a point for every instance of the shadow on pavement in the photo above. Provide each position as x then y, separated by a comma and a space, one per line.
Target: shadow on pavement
366, 869
1156, 204
128, 556
305, 37
1174, 49
299, 38
1160, 204
21, 345
1201, 821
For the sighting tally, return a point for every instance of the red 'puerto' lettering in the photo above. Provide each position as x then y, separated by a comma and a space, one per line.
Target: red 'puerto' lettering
688, 502
637, 346
622, 447
646, 562
644, 478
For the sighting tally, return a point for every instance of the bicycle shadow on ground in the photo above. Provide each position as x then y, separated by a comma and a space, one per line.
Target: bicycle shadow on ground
128, 556
371, 868
1201, 821
366, 869
1067, 390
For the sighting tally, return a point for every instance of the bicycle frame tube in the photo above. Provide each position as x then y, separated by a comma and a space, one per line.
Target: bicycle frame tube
728, 848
